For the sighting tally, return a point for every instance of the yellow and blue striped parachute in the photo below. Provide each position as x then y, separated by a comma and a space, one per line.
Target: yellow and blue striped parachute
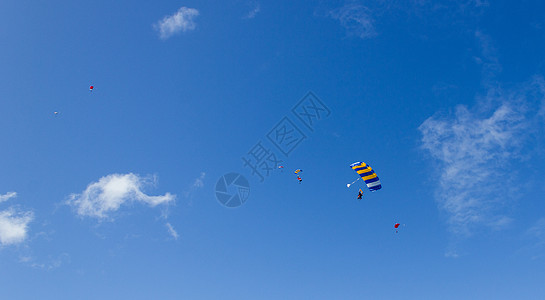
368, 175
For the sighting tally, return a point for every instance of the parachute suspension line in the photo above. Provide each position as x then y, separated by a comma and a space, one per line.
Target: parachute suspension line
348, 185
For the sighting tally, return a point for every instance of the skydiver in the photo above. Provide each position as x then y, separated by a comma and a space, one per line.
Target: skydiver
360, 195
299, 178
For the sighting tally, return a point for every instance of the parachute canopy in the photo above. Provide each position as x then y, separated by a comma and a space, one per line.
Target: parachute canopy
298, 170
91, 88
368, 175
396, 225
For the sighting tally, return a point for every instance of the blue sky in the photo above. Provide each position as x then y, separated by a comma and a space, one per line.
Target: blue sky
113, 196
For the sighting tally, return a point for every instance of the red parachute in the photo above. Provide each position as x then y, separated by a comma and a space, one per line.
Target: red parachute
91, 88
396, 226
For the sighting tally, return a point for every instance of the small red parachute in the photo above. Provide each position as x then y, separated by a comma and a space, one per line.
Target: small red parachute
91, 88
396, 226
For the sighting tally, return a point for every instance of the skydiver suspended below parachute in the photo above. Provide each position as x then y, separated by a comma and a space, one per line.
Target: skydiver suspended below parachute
368, 175
396, 226
297, 173
360, 194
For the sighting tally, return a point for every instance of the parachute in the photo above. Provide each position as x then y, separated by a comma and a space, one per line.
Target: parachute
396, 227
297, 173
367, 174
91, 88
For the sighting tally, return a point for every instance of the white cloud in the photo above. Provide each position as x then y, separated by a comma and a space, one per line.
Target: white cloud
362, 18
356, 19
172, 231
110, 192
537, 231
13, 223
489, 57
199, 183
7, 196
49, 263
479, 3
476, 151
181, 21
534, 240
253, 12
451, 254
14, 226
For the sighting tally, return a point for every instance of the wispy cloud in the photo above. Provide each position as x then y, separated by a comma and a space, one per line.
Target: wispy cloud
535, 235
109, 193
199, 182
7, 196
452, 254
13, 223
488, 58
538, 231
181, 21
476, 150
479, 3
50, 263
172, 231
364, 18
255, 8
356, 19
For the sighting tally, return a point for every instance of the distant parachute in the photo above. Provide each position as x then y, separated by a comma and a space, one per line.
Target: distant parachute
367, 174
91, 88
299, 177
396, 226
